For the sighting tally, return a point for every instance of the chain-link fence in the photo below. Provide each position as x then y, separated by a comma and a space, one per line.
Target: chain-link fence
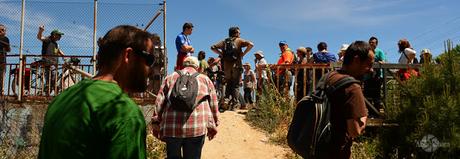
76, 20
21, 122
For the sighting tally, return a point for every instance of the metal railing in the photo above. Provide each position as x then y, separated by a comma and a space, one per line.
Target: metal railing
42, 76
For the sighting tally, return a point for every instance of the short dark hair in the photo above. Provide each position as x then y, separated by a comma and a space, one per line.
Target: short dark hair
309, 49
116, 40
187, 25
232, 31
201, 55
322, 46
357, 48
373, 38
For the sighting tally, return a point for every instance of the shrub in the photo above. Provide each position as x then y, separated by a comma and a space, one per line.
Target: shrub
428, 105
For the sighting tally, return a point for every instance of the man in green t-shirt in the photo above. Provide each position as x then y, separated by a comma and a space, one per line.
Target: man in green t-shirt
96, 118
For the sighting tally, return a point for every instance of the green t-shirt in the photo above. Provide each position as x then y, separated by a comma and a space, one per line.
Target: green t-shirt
379, 55
93, 119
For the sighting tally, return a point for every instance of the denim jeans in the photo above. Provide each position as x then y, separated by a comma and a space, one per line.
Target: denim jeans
184, 148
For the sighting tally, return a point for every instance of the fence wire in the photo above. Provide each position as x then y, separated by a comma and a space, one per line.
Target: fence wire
21, 123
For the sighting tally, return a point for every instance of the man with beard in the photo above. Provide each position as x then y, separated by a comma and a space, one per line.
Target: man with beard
96, 118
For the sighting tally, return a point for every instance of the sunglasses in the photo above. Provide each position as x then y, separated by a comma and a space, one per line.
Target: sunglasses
149, 59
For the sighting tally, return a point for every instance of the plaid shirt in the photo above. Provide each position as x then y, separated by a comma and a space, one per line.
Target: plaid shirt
186, 124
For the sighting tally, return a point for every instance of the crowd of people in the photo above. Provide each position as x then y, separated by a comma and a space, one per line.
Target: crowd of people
97, 119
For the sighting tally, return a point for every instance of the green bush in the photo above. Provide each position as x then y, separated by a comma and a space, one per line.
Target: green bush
427, 104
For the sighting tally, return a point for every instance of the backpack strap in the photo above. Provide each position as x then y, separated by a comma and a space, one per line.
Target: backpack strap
346, 81
180, 73
341, 83
196, 74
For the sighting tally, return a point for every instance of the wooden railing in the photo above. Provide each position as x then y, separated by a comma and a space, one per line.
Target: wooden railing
312, 72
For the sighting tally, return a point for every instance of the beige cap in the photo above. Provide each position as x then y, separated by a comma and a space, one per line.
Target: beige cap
191, 61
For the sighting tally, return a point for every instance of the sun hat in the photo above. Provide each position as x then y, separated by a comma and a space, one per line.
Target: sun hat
260, 53
344, 47
425, 51
302, 49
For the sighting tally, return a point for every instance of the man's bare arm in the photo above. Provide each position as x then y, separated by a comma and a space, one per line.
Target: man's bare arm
215, 50
248, 48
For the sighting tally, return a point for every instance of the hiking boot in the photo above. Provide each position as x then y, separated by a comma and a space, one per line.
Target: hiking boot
244, 107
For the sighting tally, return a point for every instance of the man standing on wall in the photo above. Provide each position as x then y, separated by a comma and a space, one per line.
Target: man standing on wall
184, 45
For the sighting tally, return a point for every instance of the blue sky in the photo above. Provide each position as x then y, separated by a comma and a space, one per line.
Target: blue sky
425, 23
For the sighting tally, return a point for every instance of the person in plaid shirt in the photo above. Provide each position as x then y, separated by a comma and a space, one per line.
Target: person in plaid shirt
186, 130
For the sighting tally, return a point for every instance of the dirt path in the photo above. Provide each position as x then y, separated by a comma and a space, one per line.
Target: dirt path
237, 140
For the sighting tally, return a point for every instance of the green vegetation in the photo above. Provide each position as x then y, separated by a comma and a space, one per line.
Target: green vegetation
424, 106
273, 114
156, 149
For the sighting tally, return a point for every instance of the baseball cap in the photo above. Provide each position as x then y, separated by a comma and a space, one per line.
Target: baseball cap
55, 31
282, 43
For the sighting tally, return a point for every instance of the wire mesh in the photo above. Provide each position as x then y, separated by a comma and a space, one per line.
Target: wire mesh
20, 123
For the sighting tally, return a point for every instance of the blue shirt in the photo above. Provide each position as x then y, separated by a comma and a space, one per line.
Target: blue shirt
181, 40
324, 57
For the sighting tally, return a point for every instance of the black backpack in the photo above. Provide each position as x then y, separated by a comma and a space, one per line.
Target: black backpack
310, 128
230, 52
183, 95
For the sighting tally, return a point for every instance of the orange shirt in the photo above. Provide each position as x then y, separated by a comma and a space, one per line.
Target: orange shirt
287, 57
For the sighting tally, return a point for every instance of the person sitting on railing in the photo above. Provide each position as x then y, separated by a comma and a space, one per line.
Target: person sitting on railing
50, 51
284, 74
408, 56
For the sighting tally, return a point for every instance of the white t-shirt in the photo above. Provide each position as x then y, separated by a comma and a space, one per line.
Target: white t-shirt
263, 72
403, 59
